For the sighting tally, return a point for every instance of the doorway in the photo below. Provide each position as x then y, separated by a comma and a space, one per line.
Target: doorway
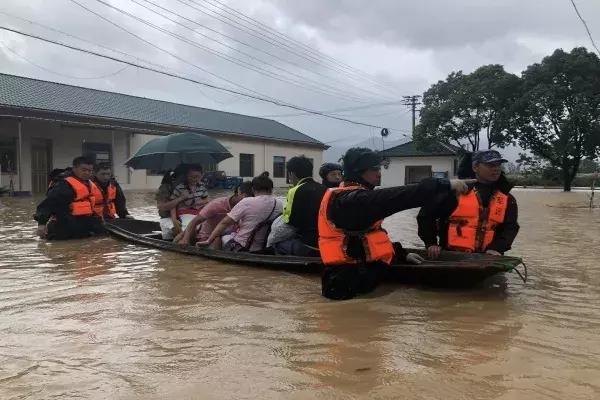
41, 164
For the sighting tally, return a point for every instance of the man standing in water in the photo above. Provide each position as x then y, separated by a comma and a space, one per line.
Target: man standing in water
67, 212
483, 220
108, 196
355, 249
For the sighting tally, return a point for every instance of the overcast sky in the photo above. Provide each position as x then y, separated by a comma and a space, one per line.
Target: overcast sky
347, 54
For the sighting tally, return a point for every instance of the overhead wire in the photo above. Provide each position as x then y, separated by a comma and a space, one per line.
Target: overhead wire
201, 83
243, 43
334, 92
305, 48
49, 70
338, 110
139, 59
183, 60
587, 29
272, 41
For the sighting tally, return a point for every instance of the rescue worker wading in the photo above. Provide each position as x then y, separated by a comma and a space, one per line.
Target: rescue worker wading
355, 249
108, 196
67, 212
483, 220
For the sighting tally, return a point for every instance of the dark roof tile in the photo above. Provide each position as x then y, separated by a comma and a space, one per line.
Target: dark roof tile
21, 92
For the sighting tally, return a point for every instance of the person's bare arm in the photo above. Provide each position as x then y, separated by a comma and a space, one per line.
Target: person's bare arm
218, 231
191, 229
171, 204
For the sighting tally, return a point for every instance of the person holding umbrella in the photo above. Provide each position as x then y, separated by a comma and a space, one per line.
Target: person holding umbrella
167, 153
197, 197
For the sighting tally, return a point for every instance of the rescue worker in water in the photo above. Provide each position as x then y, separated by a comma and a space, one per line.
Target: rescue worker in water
67, 212
483, 220
354, 247
109, 200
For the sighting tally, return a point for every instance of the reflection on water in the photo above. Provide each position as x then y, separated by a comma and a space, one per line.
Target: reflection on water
107, 319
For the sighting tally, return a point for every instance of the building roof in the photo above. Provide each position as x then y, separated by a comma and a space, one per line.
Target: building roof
409, 149
26, 93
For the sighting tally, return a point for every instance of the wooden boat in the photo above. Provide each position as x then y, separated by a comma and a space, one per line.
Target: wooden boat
450, 270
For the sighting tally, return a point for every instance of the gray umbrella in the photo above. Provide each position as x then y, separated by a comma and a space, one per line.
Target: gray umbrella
167, 152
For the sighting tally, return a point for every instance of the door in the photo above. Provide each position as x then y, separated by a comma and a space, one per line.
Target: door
41, 164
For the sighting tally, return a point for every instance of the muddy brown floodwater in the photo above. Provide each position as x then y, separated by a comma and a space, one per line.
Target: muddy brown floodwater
102, 319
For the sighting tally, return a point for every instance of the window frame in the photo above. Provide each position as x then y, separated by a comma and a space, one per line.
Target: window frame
242, 167
279, 166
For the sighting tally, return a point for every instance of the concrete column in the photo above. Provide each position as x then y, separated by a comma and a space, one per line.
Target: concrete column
20, 156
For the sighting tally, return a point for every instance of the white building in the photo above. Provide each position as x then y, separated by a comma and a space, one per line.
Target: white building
407, 164
44, 125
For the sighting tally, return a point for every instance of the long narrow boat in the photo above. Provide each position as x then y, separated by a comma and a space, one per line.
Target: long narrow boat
450, 270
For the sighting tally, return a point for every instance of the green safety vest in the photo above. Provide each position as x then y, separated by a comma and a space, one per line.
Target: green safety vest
289, 200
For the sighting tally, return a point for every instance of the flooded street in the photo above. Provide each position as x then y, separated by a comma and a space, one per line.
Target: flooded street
106, 319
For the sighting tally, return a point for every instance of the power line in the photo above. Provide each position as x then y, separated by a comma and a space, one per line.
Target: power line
281, 59
412, 102
336, 110
333, 92
167, 51
226, 57
586, 27
106, 48
287, 38
261, 36
184, 78
78, 38
22, 57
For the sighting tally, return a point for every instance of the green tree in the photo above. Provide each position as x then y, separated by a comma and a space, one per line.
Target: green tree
557, 117
589, 166
462, 108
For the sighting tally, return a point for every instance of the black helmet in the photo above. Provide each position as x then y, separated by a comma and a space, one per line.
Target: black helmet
358, 159
327, 168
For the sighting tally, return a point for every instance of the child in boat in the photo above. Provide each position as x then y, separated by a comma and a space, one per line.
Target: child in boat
197, 197
253, 216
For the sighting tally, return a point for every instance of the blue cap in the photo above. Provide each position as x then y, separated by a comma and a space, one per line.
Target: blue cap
488, 157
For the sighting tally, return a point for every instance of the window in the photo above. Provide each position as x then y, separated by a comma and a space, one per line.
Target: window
8, 155
415, 174
99, 152
246, 165
278, 167
455, 167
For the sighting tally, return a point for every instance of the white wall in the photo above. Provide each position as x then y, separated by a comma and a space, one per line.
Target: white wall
394, 175
263, 151
67, 143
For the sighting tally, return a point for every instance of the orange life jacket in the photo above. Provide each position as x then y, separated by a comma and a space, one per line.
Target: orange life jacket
105, 206
83, 203
333, 241
472, 227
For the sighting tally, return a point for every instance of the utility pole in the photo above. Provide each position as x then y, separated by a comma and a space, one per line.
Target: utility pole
412, 102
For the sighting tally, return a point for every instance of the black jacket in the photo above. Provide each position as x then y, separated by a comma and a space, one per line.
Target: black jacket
59, 198
358, 210
305, 212
120, 201
433, 217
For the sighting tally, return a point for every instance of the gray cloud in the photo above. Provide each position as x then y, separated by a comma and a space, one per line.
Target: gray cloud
406, 45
